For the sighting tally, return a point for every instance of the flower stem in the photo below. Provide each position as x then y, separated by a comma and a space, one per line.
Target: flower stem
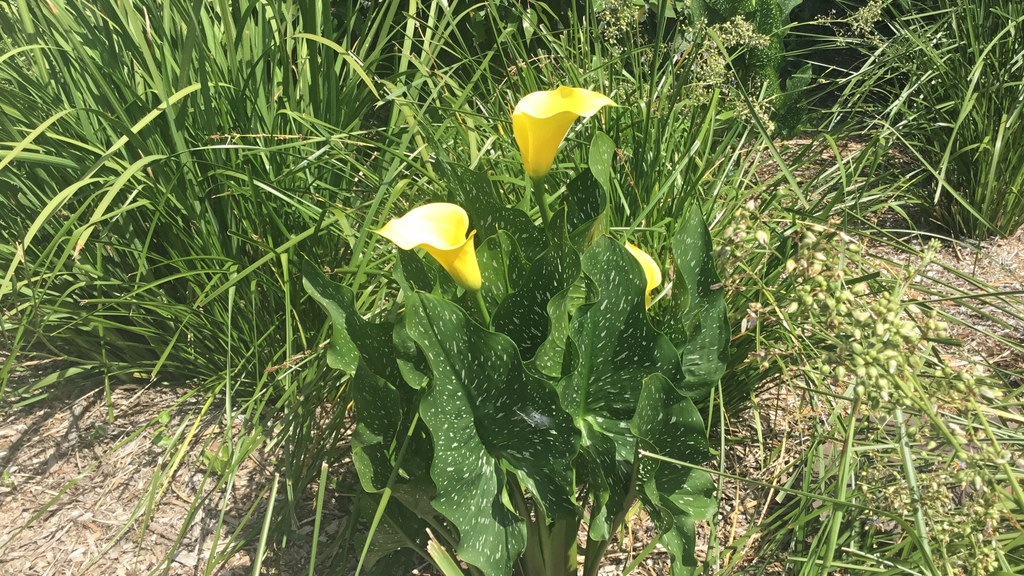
483, 307
539, 190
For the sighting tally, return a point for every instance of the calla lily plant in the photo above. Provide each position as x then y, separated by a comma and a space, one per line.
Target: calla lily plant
494, 437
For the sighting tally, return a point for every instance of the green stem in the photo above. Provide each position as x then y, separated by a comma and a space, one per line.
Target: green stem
537, 186
535, 541
387, 493
841, 483
642, 556
441, 532
558, 546
911, 475
561, 560
596, 549
483, 307
545, 537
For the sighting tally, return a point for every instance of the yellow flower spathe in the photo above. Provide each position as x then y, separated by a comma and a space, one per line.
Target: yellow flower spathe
440, 229
651, 269
542, 119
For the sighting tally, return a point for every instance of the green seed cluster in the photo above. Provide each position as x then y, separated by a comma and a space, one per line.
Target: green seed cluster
863, 20
858, 24
878, 339
860, 335
712, 72
960, 503
619, 20
744, 234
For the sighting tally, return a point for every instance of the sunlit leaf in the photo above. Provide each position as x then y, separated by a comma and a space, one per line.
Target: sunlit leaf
523, 315
350, 331
698, 324
668, 424
484, 410
613, 348
473, 191
378, 423
503, 268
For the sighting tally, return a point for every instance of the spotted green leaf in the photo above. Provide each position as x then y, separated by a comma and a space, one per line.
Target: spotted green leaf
335, 299
363, 348
485, 411
399, 528
472, 190
609, 447
551, 354
523, 315
586, 195
412, 274
699, 326
378, 421
411, 362
602, 149
585, 200
612, 348
502, 268
614, 344
353, 339
668, 424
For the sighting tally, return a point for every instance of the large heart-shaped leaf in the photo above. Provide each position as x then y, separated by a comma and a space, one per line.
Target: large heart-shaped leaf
382, 411
399, 528
336, 300
523, 315
353, 339
614, 344
550, 357
378, 421
503, 270
586, 195
484, 410
612, 348
473, 191
609, 447
585, 200
698, 324
411, 362
412, 274
668, 424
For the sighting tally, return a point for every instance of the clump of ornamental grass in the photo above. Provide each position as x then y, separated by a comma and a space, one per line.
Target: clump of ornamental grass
919, 467
942, 79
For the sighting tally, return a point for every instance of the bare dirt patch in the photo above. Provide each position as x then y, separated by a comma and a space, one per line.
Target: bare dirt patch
75, 486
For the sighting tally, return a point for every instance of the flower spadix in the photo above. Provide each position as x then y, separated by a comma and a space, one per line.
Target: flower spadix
541, 120
651, 269
440, 229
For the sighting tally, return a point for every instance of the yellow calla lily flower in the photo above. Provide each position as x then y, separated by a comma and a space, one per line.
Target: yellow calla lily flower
651, 269
440, 229
542, 119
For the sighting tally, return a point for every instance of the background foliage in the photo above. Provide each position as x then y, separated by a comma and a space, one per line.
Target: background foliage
166, 167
